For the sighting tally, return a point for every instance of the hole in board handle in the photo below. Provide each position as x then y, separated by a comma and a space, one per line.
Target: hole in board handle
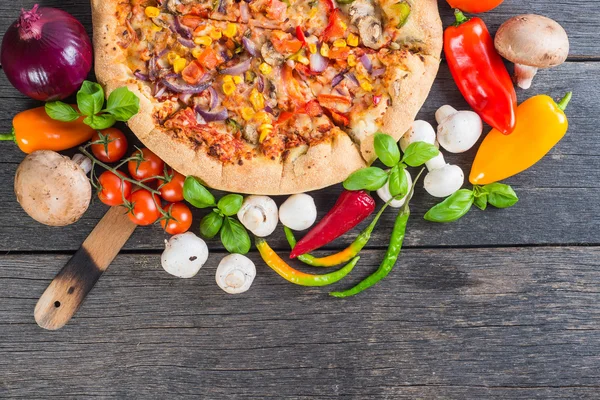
57, 304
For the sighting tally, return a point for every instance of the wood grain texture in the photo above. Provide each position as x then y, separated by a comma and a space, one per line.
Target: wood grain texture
558, 196
454, 324
67, 291
451, 322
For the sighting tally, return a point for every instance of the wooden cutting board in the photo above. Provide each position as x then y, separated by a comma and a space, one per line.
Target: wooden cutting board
68, 289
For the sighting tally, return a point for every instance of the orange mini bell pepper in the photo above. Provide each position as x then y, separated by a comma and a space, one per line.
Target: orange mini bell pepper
34, 130
541, 124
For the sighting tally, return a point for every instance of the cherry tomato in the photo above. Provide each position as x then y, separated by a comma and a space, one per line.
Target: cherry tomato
475, 6
180, 221
149, 167
113, 189
145, 210
113, 146
172, 191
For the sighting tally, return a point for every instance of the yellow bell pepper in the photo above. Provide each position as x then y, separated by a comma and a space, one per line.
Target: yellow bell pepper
541, 124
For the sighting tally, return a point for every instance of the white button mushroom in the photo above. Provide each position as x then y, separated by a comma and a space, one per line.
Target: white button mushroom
532, 42
184, 255
443, 179
421, 131
443, 182
259, 215
458, 131
385, 195
53, 189
298, 212
235, 273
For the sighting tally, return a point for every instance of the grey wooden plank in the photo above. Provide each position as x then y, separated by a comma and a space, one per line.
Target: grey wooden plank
580, 18
456, 324
558, 196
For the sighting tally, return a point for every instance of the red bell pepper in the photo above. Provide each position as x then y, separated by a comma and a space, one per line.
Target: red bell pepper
480, 73
300, 35
336, 28
329, 5
350, 209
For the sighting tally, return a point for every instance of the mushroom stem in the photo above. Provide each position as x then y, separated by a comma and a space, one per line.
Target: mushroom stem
444, 112
524, 75
84, 162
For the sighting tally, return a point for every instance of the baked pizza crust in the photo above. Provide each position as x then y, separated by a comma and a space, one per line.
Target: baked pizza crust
321, 165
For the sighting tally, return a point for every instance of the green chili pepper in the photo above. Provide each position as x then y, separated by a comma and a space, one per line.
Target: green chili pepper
403, 9
300, 278
343, 256
392, 253
390, 259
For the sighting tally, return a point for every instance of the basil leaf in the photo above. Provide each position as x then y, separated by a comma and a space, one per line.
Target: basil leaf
418, 153
453, 208
235, 237
387, 149
90, 98
61, 111
100, 122
371, 178
398, 182
210, 225
196, 194
501, 195
230, 204
481, 201
123, 104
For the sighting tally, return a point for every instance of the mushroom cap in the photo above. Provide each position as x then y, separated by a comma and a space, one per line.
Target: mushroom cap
533, 40
460, 131
184, 255
235, 273
385, 195
52, 188
443, 182
298, 212
420, 131
259, 215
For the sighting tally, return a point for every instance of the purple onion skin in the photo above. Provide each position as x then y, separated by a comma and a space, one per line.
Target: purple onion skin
50, 59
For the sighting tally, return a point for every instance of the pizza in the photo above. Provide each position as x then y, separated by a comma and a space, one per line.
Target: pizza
268, 96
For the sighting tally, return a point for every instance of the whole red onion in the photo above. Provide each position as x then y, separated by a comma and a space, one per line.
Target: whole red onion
46, 54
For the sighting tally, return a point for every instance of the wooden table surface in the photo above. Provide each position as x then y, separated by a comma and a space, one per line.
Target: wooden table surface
503, 304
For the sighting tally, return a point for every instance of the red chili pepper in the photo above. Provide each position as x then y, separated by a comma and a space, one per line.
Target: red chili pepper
350, 209
300, 35
479, 72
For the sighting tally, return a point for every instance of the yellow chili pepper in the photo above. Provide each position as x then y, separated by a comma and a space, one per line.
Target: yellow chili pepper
541, 124
300, 278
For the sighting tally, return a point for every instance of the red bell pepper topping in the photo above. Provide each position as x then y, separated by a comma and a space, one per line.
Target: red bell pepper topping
312, 109
350, 209
192, 73
336, 28
479, 72
300, 35
329, 4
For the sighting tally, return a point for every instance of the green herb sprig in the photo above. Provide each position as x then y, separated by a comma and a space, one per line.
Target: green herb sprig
460, 203
122, 104
386, 148
221, 219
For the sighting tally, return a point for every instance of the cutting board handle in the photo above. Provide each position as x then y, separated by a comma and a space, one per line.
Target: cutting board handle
68, 289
